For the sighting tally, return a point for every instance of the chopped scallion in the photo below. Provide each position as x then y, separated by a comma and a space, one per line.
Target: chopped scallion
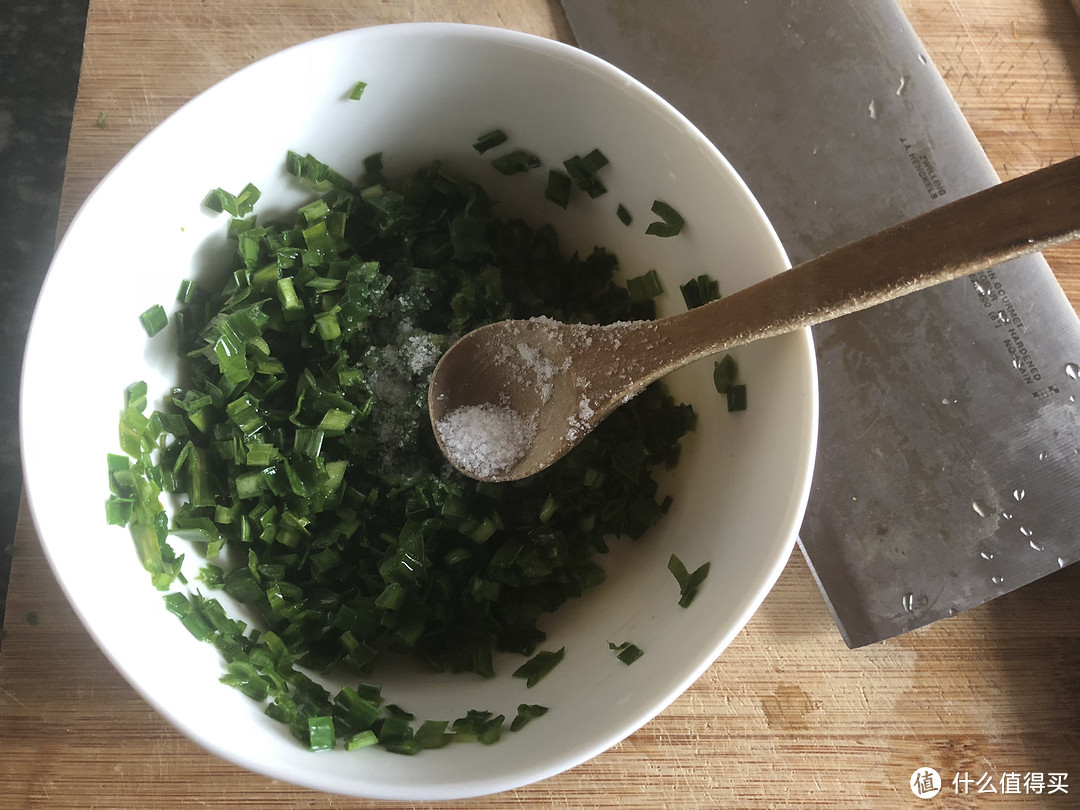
725, 372
558, 188
321, 733
626, 652
520, 160
700, 290
671, 221
688, 583
489, 140
537, 667
644, 287
154, 320
736, 398
527, 712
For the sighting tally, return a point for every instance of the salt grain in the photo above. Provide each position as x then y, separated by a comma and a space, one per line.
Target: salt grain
485, 439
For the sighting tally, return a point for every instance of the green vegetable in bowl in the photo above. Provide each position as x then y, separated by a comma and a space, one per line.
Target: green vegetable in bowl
299, 450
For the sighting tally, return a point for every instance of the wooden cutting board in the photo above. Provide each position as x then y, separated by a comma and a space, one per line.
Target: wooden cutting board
788, 717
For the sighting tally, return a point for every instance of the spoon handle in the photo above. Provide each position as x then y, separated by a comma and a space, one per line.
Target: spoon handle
1011, 219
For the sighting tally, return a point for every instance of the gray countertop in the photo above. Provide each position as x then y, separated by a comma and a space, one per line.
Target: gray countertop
40, 54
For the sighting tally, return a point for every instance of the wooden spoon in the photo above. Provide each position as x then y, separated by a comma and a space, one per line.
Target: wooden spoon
510, 398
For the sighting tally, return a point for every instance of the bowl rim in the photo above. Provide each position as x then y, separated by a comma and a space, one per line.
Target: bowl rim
32, 474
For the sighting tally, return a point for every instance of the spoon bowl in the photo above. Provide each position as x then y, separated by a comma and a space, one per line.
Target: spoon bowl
555, 382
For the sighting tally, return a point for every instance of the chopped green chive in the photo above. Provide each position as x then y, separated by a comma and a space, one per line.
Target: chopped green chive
433, 734
316, 174
526, 713
100, 123
537, 667
700, 290
238, 205
321, 733
357, 91
305, 374
623, 214
154, 320
671, 221
688, 583
725, 372
520, 160
736, 398
373, 168
583, 172
626, 652
362, 739
558, 188
644, 287
489, 140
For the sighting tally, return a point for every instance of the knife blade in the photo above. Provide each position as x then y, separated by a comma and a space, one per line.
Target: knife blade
949, 448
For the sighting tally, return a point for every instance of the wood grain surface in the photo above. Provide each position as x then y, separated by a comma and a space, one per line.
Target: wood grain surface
788, 717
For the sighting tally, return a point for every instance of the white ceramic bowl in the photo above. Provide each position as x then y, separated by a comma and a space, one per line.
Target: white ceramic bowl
740, 488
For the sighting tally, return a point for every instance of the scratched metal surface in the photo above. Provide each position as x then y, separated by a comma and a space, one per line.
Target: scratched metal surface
949, 425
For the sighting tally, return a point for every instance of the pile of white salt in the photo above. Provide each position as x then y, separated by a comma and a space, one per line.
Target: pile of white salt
484, 440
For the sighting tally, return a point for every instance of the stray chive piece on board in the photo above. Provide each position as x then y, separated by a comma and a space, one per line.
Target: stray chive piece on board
101, 120
520, 160
688, 583
623, 214
357, 91
538, 666
626, 652
489, 140
671, 220
154, 320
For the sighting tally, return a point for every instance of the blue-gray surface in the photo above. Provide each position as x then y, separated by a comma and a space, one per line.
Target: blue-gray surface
40, 52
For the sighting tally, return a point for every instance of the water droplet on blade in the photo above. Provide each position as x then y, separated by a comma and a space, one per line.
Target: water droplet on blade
908, 602
980, 508
1024, 530
997, 580
1073, 370
1035, 546
1019, 495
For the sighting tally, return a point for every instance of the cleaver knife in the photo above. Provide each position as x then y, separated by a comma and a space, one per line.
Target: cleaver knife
949, 448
